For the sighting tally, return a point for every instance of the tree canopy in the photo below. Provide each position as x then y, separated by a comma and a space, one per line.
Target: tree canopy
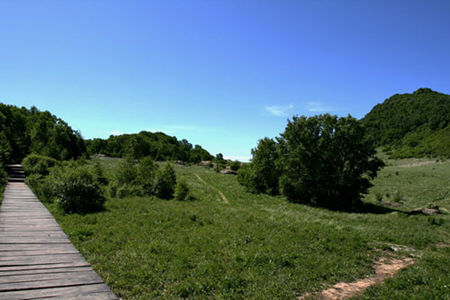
24, 131
322, 160
158, 146
412, 125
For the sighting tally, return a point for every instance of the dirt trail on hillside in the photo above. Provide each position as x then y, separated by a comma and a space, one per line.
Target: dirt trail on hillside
224, 199
384, 268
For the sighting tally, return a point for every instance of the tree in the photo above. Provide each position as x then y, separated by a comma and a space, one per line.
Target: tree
165, 182
262, 174
326, 161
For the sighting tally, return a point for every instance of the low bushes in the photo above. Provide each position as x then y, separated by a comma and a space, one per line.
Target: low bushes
165, 182
38, 164
77, 190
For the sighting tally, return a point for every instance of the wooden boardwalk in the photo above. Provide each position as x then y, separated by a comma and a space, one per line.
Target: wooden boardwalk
37, 259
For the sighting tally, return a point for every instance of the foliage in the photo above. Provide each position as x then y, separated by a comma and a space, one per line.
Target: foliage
326, 161
182, 191
158, 146
77, 191
38, 164
262, 174
235, 165
126, 172
3, 180
24, 131
146, 170
416, 124
165, 182
42, 186
259, 246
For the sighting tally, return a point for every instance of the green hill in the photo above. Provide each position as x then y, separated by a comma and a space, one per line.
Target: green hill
24, 131
412, 125
158, 145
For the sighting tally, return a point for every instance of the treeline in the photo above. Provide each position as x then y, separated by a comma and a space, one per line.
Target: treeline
412, 125
24, 131
158, 146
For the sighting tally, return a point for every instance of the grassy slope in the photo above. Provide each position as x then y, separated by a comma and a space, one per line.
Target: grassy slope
259, 246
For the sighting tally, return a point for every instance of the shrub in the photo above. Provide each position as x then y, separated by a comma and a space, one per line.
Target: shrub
43, 187
77, 190
165, 182
146, 170
38, 164
247, 177
126, 172
235, 165
3, 179
98, 172
182, 191
326, 161
262, 174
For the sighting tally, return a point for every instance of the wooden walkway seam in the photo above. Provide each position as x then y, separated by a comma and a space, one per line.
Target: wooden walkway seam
37, 260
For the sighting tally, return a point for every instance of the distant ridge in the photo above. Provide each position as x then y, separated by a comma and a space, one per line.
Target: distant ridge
412, 125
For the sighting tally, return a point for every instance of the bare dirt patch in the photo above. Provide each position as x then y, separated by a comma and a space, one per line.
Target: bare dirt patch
384, 268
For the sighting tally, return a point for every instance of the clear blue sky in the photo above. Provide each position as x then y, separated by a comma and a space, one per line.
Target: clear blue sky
220, 73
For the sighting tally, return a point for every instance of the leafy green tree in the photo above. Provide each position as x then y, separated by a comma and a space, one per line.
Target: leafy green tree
77, 191
165, 182
326, 161
182, 191
126, 172
146, 171
263, 173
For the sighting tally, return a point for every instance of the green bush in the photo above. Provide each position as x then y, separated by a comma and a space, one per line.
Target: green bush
182, 191
326, 161
42, 187
126, 172
235, 165
38, 164
3, 180
77, 190
123, 190
262, 174
146, 170
99, 174
165, 182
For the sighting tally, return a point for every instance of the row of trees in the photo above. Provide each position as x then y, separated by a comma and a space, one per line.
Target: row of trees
322, 160
158, 146
24, 131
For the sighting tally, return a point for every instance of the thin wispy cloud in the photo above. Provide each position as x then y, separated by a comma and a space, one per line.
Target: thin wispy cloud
115, 132
279, 111
316, 106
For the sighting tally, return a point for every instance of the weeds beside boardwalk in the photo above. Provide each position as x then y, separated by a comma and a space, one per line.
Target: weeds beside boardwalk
259, 246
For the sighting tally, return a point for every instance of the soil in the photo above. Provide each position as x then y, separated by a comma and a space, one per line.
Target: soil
384, 268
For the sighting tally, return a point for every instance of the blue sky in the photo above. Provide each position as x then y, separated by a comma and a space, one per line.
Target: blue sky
221, 74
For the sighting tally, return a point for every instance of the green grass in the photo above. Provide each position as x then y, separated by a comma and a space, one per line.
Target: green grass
262, 247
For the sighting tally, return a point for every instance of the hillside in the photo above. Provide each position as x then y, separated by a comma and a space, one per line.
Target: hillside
158, 145
23, 131
412, 125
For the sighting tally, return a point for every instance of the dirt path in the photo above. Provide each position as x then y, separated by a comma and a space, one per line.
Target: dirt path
224, 199
384, 268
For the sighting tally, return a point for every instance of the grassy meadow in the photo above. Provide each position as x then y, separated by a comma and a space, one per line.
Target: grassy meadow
228, 243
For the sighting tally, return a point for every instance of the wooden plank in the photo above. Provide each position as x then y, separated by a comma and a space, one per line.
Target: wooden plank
37, 252
93, 291
52, 283
44, 271
87, 274
36, 246
45, 266
40, 260
37, 259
